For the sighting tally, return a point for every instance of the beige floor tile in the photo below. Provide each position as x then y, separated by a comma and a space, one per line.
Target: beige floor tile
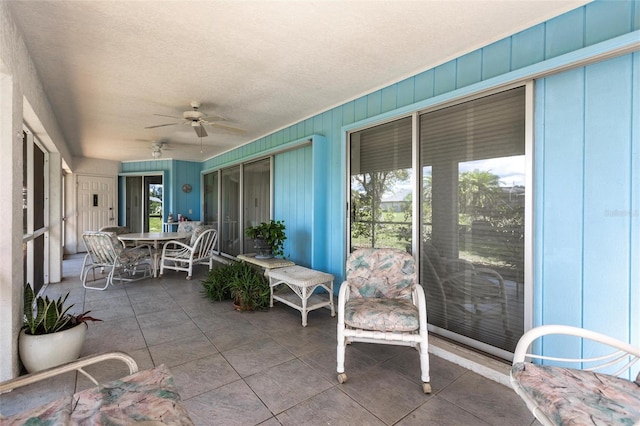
385, 393
202, 375
286, 385
437, 411
331, 407
491, 401
234, 404
257, 356
181, 351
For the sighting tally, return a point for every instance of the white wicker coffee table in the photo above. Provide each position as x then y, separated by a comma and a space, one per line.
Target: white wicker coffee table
296, 289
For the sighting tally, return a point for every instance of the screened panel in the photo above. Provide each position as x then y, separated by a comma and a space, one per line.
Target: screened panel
229, 239
380, 165
472, 216
210, 197
257, 195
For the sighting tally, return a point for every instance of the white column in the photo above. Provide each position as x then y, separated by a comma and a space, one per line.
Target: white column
11, 273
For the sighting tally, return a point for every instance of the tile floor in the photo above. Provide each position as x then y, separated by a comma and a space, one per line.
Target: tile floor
235, 368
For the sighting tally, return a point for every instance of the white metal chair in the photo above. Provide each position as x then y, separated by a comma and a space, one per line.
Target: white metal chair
587, 389
181, 256
106, 252
382, 302
146, 397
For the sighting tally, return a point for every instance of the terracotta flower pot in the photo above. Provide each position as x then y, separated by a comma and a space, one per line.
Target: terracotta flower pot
39, 352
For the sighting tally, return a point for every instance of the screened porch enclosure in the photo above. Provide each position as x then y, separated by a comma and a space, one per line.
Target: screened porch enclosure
470, 229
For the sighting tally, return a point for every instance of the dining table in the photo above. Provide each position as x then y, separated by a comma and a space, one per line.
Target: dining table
156, 240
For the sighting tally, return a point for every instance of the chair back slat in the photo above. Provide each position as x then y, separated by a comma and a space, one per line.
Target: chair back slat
206, 243
103, 247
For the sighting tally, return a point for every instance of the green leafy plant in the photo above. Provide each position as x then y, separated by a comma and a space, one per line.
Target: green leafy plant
44, 316
216, 286
238, 281
249, 287
273, 232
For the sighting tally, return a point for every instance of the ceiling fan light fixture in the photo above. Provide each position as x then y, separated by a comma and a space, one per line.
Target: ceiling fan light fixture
156, 153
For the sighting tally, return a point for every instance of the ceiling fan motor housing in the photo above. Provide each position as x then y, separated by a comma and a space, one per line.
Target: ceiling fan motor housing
192, 115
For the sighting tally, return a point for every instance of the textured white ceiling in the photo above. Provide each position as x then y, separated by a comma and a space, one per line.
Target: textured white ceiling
109, 66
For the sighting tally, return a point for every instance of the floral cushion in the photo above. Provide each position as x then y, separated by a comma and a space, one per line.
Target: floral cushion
54, 413
381, 273
381, 314
578, 397
197, 231
188, 226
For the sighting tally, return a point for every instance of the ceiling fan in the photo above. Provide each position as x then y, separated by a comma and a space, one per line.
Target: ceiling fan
197, 119
156, 149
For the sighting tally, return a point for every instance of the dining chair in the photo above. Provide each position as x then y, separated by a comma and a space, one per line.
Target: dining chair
381, 302
182, 256
107, 253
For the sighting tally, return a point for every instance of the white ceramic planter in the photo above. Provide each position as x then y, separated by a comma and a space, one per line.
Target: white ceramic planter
48, 350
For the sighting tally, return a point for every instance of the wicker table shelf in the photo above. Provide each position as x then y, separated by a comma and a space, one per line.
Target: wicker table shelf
296, 289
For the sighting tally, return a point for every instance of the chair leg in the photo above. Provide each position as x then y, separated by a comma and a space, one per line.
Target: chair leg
342, 377
424, 368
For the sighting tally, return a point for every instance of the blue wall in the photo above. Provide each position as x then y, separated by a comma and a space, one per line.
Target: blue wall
579, 158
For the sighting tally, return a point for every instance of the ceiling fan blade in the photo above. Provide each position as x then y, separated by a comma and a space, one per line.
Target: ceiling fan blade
225, 127
200, 131
170, 116
213, 118
161, 125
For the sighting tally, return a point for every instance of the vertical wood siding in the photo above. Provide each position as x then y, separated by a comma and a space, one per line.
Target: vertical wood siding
587, 191
293, 201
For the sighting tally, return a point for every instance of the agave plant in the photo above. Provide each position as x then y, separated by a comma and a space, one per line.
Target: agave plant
43, 315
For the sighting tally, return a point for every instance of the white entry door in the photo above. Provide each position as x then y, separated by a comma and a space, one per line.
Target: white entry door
95, 204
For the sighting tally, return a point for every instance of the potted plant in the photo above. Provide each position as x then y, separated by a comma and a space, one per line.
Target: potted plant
268, 238
245, 285
50, 335
249, 288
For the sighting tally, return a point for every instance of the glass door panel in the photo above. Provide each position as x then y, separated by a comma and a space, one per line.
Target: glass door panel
381, 183
473, 191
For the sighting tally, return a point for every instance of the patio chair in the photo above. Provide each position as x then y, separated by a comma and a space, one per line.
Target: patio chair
181, 256
147, 397
381, 302
588, 389
106, 252
119, 230
465, 292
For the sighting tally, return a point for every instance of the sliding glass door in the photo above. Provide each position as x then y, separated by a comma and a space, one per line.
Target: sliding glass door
470, 229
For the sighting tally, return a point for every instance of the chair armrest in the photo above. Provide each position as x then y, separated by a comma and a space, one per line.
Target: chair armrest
419, 299
76, 365
343, 296
622, 350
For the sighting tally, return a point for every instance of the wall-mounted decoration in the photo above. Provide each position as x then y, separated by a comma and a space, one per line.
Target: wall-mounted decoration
186, 188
